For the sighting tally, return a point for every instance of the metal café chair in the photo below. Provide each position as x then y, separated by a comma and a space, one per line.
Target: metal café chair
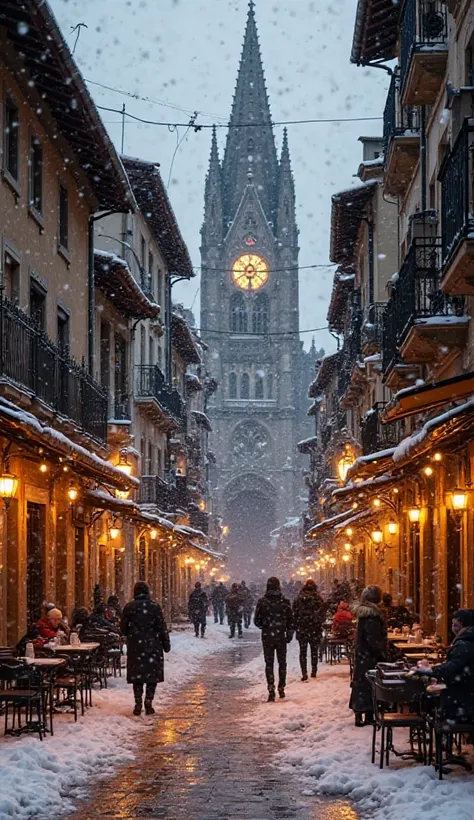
389, 704
22, 691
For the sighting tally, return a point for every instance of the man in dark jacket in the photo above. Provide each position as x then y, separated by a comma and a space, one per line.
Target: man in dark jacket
234, 604
274, 617
457, 671
370, 648
143, 625
197, 609
309, 611
218, 596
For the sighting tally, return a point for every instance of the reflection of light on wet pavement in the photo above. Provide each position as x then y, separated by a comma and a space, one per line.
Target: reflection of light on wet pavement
198, 762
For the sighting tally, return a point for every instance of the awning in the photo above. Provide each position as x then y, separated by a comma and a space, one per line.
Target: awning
418, 399
440, 431
183, 340
371, 465
328, 524
343, 285
314, 409
20, 425
116, 281
203, 420
362, 488
347, 212
356, 518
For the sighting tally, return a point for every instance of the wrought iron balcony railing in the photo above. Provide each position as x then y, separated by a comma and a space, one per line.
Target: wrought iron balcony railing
29, 358
416, 295
423, 27
372, 326
376, 436
457, 193
398, 120
154, 490
150, 382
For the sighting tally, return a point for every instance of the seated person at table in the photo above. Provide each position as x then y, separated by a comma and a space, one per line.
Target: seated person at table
97, 627
343, 622
457, 671
78, 617
398, 615
49, 627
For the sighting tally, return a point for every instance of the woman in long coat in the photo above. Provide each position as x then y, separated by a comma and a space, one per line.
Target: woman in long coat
370, 648
144, 626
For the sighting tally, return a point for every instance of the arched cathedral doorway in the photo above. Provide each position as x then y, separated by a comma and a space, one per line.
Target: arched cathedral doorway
250, 512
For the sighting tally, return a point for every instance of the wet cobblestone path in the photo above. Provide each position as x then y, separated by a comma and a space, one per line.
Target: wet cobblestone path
199, 762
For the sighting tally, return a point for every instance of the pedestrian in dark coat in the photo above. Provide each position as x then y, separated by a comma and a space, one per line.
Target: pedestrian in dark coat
274, 617
457, 671
234, 604
144, 626
370, 648
218, 596
248, 604
197, 609
309, 611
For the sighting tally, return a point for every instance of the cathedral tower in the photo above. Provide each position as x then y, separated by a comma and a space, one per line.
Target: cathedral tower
250, 320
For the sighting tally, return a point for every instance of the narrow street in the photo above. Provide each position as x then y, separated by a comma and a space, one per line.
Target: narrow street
198, 761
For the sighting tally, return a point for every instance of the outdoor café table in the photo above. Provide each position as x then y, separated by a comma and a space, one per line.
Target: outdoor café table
47, 668
80, 649
394, 636
409, 648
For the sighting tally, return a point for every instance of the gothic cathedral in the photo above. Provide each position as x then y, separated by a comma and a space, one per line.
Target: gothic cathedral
250, 321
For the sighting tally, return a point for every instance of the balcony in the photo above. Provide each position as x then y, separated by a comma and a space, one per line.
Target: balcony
31, 364
352, 377
198, 519
376, 436
457, 209
154, 490
423, 50
372, 328
164, 406
422, 322
402, 141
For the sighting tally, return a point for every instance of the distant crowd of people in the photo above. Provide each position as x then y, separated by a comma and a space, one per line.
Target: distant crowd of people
238, 604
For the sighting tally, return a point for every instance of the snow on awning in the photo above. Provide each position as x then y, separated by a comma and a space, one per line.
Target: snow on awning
439, 430
193, 383
219, 556
356, 518
347, 212
19, 424
203, 420
183, 340
371, 465
116, 281
354, 489
328, 524
307, 444
418, 399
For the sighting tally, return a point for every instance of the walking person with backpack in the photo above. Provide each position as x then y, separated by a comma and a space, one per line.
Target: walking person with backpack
234, 604
309, 611
274, 617
197, 609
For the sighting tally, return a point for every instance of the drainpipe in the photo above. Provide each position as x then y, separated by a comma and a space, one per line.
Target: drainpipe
169, 346
91, 300
370, 226
423, 157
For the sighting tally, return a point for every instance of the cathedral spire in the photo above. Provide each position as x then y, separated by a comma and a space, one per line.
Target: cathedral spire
248, 145
213, 217
287, 230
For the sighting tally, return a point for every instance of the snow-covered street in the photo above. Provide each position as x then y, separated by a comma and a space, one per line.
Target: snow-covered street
315, 730
35, 776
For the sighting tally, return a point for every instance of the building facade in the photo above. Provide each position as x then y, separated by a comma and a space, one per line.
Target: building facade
250, 319
400, 510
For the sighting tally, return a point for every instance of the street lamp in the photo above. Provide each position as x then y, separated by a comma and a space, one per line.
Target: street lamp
392, 527
377, 536
72, 493
8, 486
459, 500
414, 515
153, 534
344, 464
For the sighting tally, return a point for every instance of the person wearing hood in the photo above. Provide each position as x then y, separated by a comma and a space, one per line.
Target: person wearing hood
343, 622
144, 627
370, 649
457, 671
197, 609
273, 615
248, 604
309, 611
234, 604
218, 596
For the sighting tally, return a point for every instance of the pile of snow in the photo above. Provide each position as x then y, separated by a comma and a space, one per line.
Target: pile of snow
319, 744
40, 778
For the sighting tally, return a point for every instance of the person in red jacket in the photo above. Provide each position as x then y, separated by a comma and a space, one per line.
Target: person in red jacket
48, 627
343, 622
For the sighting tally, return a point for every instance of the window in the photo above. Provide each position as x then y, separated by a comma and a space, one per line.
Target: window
151, 273
143, 455
142, 345
269, 386
63, 217
245, 386
63, 330
238, 314
259, 386
232, 385
159, 294
142, 251
11, 278
151, 460
35, 193
11, 139
38, 304
250, 144
151, 350
159, 460
260, 314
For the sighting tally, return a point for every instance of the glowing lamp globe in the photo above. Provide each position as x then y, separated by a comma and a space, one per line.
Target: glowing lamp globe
377, 536
8, 487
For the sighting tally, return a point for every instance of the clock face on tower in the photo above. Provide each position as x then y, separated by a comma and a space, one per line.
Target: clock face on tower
249, 272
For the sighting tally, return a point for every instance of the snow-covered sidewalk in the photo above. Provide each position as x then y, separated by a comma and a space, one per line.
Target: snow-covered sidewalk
36, 776
321, 746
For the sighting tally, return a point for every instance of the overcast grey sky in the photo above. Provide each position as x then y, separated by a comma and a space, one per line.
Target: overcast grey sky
186, 53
